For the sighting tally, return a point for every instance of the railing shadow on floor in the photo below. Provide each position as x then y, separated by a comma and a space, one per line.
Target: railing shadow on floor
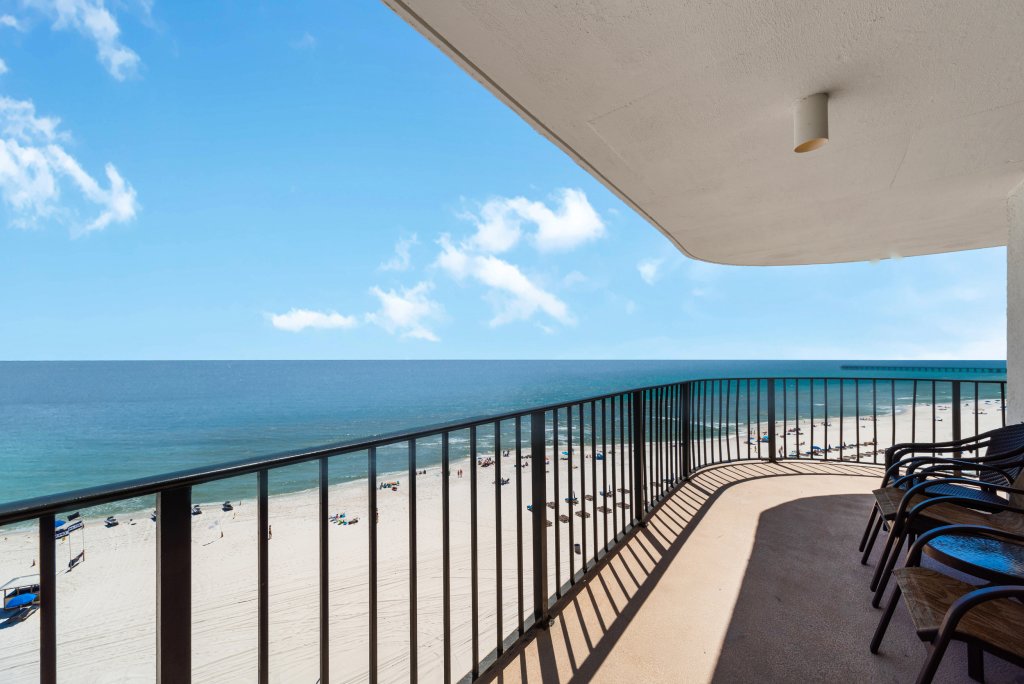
594, 619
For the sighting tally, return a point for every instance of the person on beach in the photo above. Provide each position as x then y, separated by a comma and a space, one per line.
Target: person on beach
270, 532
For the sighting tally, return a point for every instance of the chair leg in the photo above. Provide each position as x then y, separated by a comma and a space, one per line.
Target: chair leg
975, 662
889, 566
867, 530
871, 540
894, 533
935, 653
883, 624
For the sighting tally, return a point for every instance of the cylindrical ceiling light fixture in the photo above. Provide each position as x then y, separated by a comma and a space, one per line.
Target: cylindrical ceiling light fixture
810, 123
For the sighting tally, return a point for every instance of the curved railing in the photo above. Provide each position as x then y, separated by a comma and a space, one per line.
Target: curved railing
532, 534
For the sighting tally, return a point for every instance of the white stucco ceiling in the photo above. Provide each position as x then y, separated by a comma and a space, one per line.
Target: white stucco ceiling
684, 109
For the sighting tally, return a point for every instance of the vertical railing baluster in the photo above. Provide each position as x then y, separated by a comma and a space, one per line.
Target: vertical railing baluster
446, 563
371, 513
325, 614
728, 396
796, 417
736, 419
771, 420
892, 389
856, 400
785, 418
956, 417
519, 521
913, 416
413, 575
539, 518
828, 447
1002, 403
614, 490
636, 432
604, 469
842, 417
572, 493
263, 555
558, 506
874, 420
593, 471
811, 400
583, 492
499, 617
474, 552
48, 609
622, 461
173, 589
758, 418
977, 429
934, 414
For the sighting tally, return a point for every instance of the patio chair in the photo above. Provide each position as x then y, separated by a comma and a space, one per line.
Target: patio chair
1001, 464
916, 514
942, 608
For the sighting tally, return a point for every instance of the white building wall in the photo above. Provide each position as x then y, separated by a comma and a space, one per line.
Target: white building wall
1015, 306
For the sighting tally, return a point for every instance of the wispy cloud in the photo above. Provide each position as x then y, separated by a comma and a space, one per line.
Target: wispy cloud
298, 320
570, 222
407, 312
11, 22
518, 298
93, 20
32, 164
403, 258
306, 42
649, 270
3, 66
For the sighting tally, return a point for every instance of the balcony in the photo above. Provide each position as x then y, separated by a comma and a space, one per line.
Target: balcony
704, 529
748, 572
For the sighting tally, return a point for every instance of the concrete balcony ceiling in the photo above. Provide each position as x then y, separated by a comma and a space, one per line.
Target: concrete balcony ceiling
685, 111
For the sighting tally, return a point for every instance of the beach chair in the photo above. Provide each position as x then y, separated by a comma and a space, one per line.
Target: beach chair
988, 619
916, 514
906, 463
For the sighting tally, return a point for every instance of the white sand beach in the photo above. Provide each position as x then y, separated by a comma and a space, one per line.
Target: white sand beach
106, 603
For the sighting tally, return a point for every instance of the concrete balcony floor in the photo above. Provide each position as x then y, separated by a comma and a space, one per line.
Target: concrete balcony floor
750, 572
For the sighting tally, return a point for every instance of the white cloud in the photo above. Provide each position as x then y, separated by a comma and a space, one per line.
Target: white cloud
91, 19
499, 226
574, 278
298, 320
306, 42
573, 223
406, 312
402, 259
518, 297
3, 67
33, 163
11, 22
649, 270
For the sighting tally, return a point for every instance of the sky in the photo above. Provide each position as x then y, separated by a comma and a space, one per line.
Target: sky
243, 180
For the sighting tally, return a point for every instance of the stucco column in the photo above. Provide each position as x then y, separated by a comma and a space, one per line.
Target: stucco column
1015, 306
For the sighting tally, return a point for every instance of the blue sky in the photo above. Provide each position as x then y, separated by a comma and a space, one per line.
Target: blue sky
236, 180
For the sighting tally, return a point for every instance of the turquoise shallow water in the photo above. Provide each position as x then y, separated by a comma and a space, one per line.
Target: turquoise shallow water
65, 425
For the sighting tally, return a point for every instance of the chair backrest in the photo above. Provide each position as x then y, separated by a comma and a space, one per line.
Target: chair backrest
1007, 440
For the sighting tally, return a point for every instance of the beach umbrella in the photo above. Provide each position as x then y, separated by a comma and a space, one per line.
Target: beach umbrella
20, 601
58, 523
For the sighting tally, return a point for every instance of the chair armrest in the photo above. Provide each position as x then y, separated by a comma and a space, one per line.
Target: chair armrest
971, 600
947, 464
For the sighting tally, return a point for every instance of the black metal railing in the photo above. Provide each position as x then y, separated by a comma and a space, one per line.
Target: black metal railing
597, 467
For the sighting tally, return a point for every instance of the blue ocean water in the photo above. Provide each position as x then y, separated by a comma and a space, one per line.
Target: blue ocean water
66, 425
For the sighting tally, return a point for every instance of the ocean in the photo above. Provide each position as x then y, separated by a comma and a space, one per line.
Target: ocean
66, 425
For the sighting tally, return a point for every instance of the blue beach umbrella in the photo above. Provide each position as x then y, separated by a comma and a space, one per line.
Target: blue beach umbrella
58, 523
20, 601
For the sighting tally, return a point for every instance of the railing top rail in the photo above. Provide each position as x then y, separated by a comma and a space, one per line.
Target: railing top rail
28, 509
